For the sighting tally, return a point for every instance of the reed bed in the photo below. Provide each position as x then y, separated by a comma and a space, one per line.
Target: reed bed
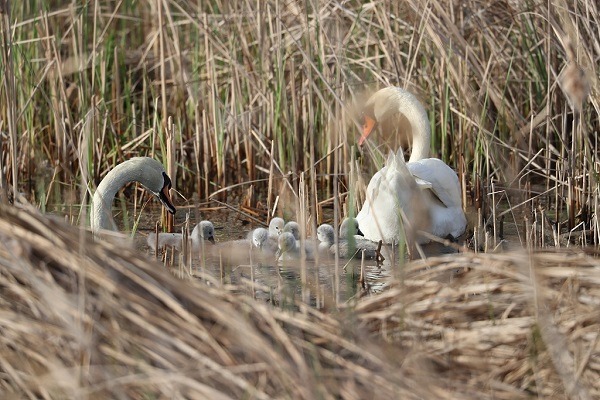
95, 320
92, 319
514, 325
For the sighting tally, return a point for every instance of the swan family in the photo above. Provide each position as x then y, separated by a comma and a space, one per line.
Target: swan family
421, 195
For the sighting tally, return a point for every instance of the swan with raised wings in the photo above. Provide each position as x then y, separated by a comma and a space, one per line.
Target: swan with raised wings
439, 211
147, 171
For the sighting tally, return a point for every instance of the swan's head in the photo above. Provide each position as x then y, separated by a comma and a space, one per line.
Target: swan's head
349, 227
293, 228
259, 237
398, 109
204, 231
276, 226
164, 196
145, 170
286, 242
155, 179
325, 233
381, 106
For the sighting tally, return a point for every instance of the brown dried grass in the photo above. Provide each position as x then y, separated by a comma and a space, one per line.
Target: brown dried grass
91, 319
83, 319
512, 325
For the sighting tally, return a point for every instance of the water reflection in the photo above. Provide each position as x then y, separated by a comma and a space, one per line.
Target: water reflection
281, 282
320, 283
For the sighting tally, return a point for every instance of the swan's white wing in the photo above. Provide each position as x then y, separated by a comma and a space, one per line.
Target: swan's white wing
423, 184
364, 214
393, 191
374, 214
390, 195
443, 180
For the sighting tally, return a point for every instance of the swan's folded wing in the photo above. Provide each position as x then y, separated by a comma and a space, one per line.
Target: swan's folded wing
372, 191
443, 180
423, 184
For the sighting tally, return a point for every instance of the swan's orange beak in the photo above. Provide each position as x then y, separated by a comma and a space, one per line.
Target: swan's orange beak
369, 125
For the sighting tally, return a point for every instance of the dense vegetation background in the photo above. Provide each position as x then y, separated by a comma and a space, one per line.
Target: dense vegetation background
239, 94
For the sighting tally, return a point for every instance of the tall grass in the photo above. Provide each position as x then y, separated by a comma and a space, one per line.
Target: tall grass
253, 87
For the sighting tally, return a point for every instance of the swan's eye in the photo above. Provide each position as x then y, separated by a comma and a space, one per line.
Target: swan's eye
361, 119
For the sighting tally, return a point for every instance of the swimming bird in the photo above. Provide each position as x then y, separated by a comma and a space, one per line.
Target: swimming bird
147, 171
353, 243
289, 248
349, 227
345, 248
259, 237
276, 226
275, 229
310, 245
293, 228
326, 237
256, 239
254, 247
165, 239
260, 241
204, 230
393, 190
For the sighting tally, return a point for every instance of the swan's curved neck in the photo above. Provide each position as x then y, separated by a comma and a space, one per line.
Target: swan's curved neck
417, 117
101, 213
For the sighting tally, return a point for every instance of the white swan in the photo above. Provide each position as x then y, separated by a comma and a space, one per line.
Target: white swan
439, 211
147, 171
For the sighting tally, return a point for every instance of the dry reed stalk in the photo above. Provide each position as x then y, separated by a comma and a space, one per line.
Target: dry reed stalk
9, 84
83, 318
512, 325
